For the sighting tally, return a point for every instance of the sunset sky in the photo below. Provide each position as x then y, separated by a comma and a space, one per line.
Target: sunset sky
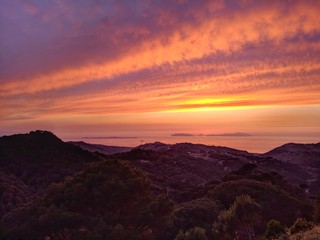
128, 67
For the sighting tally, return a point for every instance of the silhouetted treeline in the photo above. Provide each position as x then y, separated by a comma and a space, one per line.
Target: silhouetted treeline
54, 190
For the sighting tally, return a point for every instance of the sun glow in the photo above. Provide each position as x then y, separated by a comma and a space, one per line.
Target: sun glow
208, 101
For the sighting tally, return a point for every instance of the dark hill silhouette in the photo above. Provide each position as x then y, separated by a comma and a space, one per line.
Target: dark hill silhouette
49, 188
39, 147
29, 163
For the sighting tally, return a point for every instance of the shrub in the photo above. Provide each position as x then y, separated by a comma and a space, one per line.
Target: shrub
301, 225
108, 199
274, 229
275, 202
239, 221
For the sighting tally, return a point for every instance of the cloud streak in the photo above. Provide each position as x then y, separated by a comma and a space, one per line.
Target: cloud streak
121, 46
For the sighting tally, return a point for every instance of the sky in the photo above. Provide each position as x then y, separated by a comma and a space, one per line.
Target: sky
148, 67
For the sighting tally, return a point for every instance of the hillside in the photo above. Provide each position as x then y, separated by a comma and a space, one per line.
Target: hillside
50, 189
306, 156
300, 154
101, 148
29, 163
178, 168
105, 201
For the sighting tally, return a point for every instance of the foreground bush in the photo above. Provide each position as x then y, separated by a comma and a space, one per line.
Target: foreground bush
108, 200
313, 234
301, 225
239, 221
274, 229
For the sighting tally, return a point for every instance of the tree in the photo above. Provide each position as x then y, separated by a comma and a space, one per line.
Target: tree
274, 229
239, 221
107, 200
192, 234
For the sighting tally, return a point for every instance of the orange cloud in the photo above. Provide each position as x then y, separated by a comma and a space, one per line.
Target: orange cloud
232, 67
225, 34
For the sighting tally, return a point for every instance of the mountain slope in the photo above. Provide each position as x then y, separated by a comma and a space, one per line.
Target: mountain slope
305, 156
101, 148
29, 163
178, 168
53, 189
300, 154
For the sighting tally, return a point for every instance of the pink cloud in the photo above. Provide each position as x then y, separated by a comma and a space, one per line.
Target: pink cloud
189, 50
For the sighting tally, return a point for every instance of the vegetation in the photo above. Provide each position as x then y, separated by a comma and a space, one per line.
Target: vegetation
239, 221
274, 229
275, 202
301, 225
312, 234
106, 198
54, 190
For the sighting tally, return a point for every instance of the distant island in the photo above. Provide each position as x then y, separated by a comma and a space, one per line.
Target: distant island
182, 135
235, 134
